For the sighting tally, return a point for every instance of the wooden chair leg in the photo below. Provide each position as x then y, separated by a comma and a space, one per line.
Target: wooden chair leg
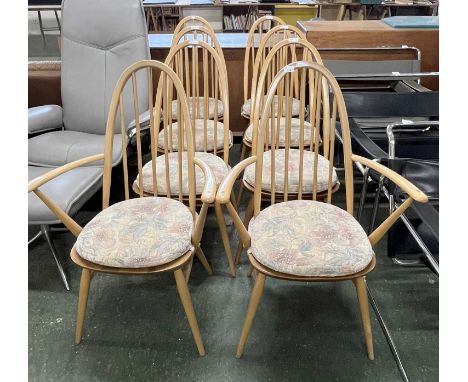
225, 237
86, 276
251, 310
189, 312
201, 256
250, 271
360, 285
187, 269
247, 217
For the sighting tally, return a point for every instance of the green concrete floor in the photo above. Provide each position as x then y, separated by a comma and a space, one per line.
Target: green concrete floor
136, 330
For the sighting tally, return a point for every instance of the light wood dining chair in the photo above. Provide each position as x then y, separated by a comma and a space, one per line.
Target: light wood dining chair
275, 35
307, 240
290, 131
256, 33
150, 235
190, 21
202, 71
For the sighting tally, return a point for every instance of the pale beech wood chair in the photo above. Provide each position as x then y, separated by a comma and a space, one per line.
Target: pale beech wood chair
190, 21
201, 33
256, 33
290, 133
275, 35
308, 240
203, 73
148, 235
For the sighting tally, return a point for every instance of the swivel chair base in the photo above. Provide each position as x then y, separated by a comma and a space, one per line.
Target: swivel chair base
46, 231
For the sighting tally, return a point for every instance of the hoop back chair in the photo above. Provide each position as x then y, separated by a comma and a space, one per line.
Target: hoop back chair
191, 21
94, 54
290, 129
308, 240
141, 235
290, 50
202, 70
256, 33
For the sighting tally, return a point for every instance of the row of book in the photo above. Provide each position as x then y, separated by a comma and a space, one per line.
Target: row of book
244, 22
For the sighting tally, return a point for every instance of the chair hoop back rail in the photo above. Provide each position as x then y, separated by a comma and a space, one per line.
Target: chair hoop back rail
190, 21
198, 33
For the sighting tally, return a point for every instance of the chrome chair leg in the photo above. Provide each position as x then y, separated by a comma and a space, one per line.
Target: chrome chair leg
45, 230
433, 264
376, 205
35, 237
387, 334
363, 194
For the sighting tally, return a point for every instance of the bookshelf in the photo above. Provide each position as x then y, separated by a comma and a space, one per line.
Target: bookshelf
223, 15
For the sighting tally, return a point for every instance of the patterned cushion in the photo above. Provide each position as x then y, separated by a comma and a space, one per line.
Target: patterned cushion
201, 107
199, 135
293, 172
246, 107
137, 233
295, 130
217, 164
309, 238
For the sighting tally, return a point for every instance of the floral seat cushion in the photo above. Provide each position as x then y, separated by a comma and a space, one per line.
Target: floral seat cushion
137, 233
294, 136
309, 238
217, 164
247, 107
293, 172
199, 136
199, 102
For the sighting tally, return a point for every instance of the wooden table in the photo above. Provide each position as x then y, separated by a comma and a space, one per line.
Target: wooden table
372, 34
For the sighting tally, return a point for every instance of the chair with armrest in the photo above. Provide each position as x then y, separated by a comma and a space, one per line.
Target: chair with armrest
309, 240
142, 235
94, 53
410, 147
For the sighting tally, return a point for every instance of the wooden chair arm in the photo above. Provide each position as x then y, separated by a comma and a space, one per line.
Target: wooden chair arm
209, 191
225, 188
414, 192
48, 176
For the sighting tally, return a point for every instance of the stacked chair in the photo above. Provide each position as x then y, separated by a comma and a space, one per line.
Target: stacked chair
291, 229
203, 72
291, 129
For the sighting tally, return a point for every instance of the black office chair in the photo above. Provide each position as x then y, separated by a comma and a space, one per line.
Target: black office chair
401, 130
